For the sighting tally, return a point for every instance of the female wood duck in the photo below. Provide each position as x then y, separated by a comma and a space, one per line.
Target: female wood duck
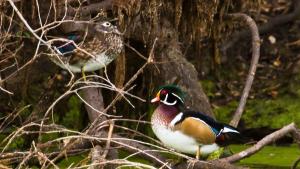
102, 44
185, 131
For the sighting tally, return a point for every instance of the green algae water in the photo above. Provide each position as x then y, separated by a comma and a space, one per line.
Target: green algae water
270, 157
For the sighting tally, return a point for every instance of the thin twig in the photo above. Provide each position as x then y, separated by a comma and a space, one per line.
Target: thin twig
41, 41
93, 126
6, 91
137, 52
131, 80
110, 132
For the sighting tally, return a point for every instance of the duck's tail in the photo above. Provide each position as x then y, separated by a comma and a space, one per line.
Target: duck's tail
228, 135
229, 129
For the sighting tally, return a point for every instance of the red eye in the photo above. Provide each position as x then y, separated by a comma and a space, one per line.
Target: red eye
163, 92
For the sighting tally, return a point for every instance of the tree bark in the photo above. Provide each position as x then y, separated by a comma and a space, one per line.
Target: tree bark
173, 65
94, 97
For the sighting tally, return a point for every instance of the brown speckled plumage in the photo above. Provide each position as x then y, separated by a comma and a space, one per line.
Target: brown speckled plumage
97, 47
111, 44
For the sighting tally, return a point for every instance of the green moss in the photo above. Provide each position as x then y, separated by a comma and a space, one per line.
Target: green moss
73, 118
273, 113
49, 136
270, 156
17, 143
216, 154
224, 113
137, 159
209, 87
72, 161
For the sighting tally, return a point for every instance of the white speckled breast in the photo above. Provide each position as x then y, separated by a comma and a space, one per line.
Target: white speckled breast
94, 54
90, 65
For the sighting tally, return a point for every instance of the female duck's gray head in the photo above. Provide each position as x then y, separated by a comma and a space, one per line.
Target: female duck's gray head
107, 27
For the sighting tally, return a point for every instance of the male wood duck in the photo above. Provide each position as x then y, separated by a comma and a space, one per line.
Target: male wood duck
186, 131
98, 47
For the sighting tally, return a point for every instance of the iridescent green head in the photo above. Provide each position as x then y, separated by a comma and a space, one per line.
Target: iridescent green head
170, 95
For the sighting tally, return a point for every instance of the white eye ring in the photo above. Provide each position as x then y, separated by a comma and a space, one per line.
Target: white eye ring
106, 24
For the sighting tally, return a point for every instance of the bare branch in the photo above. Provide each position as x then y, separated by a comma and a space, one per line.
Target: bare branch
255, 57
94, 97
206, 165
271, 24
96, 157
110, 132
291, 128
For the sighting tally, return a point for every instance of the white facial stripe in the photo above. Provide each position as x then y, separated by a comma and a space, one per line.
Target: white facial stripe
166, 102
177, 97
169, 104
176, 119
166, 98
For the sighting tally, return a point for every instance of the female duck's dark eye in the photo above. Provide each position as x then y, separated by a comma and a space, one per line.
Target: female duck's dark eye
106, 24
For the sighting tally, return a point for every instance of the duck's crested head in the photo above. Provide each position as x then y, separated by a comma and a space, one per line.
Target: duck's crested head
107, 28
170, 95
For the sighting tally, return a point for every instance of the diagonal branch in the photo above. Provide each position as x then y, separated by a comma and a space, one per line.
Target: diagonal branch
291, 128
206, 165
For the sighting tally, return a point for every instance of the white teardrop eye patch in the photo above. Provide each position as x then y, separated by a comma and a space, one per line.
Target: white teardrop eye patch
106, 24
